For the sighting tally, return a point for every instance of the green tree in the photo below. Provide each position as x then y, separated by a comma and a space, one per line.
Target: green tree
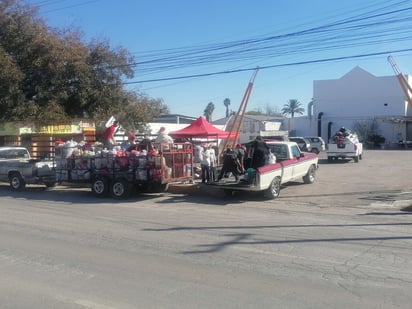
292, 107
209, 111
142, 111
226, 102
52, 74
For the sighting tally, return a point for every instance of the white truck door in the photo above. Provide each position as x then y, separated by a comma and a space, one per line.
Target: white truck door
299, 169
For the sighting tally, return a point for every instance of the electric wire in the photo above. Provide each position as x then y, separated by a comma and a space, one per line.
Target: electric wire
376, 26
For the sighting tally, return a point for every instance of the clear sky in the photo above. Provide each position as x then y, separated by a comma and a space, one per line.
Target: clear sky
221, 42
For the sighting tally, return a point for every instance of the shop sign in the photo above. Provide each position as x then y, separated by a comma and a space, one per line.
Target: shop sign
56, 129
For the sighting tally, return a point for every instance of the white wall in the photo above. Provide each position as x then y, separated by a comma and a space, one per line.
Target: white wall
359, 96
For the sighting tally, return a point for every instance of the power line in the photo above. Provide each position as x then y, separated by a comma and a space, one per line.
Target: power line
370, 28
52, 2
272, 66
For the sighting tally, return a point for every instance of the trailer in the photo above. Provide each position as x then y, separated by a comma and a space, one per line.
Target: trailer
118, 173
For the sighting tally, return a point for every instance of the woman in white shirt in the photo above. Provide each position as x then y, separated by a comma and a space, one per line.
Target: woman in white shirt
213, 163
205, 165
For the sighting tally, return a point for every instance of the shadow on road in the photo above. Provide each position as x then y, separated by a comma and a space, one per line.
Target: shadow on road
248, 238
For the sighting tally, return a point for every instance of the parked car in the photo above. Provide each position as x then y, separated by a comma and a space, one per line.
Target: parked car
303, 143
317, 143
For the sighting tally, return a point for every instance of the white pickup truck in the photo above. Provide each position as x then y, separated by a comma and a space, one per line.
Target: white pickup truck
349, 150
345, 145
18, 168
291, 165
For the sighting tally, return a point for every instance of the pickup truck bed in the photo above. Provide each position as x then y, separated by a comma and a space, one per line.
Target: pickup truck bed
348, 150
291, 165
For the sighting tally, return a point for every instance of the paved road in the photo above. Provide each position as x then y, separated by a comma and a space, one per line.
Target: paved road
342, 242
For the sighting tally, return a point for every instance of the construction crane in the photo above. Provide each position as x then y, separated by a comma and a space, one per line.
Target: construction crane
235, 126
406, 87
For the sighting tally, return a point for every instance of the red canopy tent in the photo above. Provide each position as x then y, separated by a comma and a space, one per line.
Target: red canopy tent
201, 128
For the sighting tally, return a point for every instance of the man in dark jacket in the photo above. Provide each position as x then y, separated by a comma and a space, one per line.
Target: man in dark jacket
230, 164
260, 152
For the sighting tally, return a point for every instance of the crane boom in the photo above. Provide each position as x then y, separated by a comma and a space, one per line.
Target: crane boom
406, 87
236, 125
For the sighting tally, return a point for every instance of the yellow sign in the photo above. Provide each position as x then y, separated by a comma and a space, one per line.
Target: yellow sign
18, 128
55, 129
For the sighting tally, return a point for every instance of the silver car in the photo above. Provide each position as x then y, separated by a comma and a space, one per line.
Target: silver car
304, 144
317, 143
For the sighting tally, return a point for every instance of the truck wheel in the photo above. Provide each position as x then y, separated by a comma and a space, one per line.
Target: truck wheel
315, 150
17, 182
310, 175
360, 157
274, 189
120, 189
356, 159
100, 187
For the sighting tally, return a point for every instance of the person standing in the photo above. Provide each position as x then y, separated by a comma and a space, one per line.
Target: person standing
205, 165
213, 163
131, 141
260, 152
230, 164
164, 139
108, 135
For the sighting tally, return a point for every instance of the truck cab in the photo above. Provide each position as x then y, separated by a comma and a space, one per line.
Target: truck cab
18, 168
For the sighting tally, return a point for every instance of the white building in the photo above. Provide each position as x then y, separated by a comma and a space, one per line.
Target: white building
356, 98
254, 125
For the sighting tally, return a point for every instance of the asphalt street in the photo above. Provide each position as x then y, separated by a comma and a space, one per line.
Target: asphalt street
343, 242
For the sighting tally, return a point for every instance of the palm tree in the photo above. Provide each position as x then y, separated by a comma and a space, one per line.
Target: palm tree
292, 107
209, 111
226, 102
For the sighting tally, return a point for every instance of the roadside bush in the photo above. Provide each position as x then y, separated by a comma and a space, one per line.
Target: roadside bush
375, 140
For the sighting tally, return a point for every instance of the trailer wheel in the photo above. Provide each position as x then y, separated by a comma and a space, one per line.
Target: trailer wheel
310, 175
100, 186
120, 189
274, 189
17, 182
330, 159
